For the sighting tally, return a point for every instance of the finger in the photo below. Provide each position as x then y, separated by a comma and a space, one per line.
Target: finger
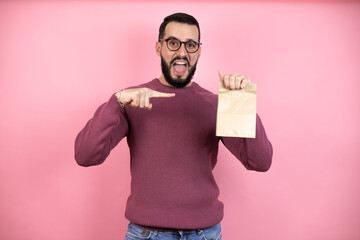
142, 99
226, 82
244, 82
237, 82
232, 82
154, 93
149, 107
221, 75
241, 77
135, 100
147, 102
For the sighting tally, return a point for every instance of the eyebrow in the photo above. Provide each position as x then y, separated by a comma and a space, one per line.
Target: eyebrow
188, 39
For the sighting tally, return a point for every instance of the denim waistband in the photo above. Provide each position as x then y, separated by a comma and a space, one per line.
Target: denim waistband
147, 232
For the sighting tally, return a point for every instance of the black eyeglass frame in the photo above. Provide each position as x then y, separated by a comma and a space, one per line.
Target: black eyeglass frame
185, 43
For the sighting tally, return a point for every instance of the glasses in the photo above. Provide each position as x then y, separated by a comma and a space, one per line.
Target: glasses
174, 44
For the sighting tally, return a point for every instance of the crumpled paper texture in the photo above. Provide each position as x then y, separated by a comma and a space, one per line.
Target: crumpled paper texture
236, 113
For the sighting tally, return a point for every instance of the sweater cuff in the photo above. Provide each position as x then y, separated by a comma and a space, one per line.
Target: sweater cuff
114, 104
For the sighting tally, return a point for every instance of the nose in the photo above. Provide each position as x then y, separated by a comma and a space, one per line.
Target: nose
182, 51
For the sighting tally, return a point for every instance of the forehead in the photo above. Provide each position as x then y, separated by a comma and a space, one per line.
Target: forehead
181, 31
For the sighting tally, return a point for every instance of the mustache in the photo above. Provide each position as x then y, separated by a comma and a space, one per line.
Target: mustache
180, 58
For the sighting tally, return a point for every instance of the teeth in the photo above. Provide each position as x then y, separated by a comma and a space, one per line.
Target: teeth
182, 63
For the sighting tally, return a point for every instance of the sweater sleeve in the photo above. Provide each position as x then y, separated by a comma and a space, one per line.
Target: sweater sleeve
254, 153
101, 133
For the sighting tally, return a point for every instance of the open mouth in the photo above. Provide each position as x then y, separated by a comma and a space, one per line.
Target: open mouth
180, 67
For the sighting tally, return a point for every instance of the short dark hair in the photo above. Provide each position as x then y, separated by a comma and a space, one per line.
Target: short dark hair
180, 18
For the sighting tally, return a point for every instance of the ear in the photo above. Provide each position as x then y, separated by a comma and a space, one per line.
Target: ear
158, 48
199, 51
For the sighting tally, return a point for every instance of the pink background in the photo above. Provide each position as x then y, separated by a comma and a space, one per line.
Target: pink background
60, 60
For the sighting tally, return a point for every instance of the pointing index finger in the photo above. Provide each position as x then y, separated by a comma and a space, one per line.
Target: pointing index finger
154, 93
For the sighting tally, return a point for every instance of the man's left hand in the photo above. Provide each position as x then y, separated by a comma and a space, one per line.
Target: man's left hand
233, 81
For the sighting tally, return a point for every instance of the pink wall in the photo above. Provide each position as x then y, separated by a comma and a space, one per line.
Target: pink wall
60, 60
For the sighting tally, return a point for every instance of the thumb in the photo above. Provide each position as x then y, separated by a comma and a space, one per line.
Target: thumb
221, 75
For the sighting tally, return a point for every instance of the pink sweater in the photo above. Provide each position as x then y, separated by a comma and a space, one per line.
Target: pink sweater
173, 150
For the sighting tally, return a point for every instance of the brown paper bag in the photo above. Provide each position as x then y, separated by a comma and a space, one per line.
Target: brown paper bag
236, 113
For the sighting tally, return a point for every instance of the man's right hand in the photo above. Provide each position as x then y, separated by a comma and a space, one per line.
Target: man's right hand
139, 97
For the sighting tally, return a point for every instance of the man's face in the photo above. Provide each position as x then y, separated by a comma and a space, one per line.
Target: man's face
179, 66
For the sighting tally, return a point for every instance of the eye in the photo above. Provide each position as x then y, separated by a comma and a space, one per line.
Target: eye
191, 45
173, 43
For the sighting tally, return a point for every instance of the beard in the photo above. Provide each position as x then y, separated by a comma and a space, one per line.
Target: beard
177, 82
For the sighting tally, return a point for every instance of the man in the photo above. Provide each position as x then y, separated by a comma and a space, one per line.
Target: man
170, 125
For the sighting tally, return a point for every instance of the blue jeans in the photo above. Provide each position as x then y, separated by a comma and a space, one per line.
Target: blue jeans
135, 232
